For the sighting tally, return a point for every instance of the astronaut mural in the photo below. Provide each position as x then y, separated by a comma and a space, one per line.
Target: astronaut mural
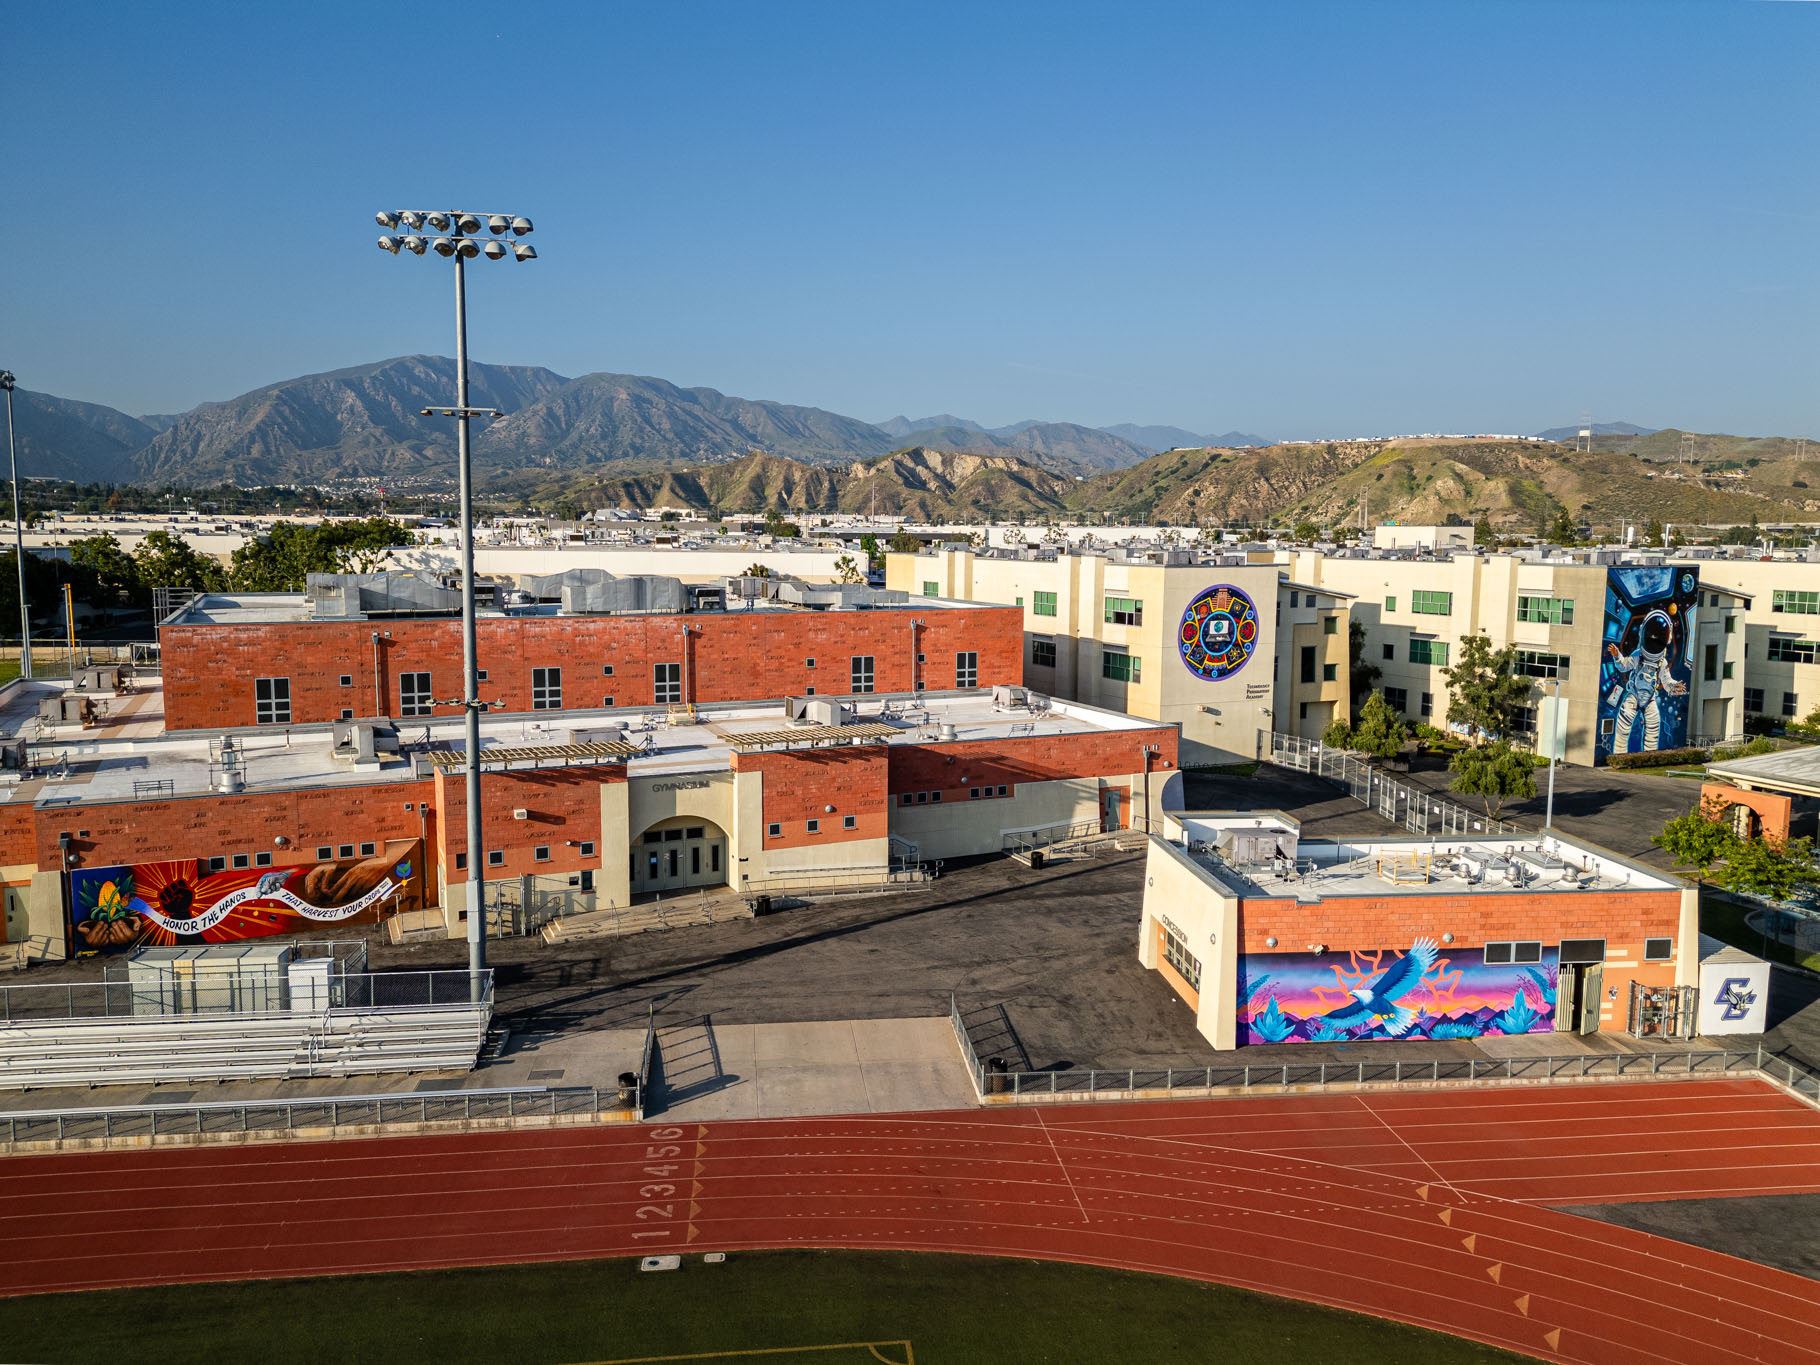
1646, 666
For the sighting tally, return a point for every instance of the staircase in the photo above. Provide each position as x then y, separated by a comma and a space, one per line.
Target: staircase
639, 919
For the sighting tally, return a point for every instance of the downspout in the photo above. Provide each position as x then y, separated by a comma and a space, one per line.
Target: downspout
378, 680
916, 652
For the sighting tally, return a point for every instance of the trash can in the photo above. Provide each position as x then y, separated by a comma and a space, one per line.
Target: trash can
628, 1089
761, 905
1036, 859
998, 1079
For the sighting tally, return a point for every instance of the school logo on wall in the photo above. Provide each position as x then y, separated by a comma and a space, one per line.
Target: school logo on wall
1219, 631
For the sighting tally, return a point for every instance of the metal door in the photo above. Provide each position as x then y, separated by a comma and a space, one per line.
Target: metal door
1109, 819
1592, 990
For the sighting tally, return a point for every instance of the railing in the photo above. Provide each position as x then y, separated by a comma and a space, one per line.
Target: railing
1416, 808
1197, 1081
166, 994
836, 878
247, 1116
647, 1064
1023, 841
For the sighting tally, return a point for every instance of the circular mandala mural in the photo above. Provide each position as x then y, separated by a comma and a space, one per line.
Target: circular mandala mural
1219, 631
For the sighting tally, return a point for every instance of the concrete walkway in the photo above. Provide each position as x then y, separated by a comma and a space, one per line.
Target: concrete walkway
778, 1070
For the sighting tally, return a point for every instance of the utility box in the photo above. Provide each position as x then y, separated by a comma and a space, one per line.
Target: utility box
1734, 990
311, 983
216, 978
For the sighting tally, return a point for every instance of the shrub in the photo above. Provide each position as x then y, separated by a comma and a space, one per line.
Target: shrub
1657, 758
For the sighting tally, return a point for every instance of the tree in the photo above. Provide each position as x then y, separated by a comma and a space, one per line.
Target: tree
1494, 773
1306, 531
847, 570
114, 573
1364, 674
904, 543
1562, 530
757, 571
1380, 731
1485, 694
1653, 534
1482, 534
167, 561
777, 526
1698, 839
868, 545
1337, 735
1705, 840
283, 560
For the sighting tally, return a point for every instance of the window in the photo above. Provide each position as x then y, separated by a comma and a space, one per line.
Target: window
1390, 652
931, 588
1001, 789
1428, 704
922, 798
1295, 600
808, 663
496, 857
413, 694
606, 670
347, 713
1423, 651
1534, 664
480, 675
1042, 653
774, 831
1304, 710
546, 689
967, 669
815, 826
345, 851
1330, 625
367, 850
1658, 949
1582, 950
935, 798
324, 852
262, 860
1307, 663
1124, 611
666, 683
1424, 602
1800, 603
1786, 649
1710, 669
242, 860
461, 862
272, 701
808, 691
1330, 672
695, 832
347, 679
1497, 953
1547, 611
541, 853
1753, 700
1176, 954
849, 822
1042, 603
1791, 704
1017, 602
862, 672
907, 799
1398, 697
1523, 721
1118, 666
217, 864
1730, 624
587, 848
1390, 602
606, 701
973, 793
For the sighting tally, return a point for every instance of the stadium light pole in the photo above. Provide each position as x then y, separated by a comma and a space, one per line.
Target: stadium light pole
12, 451
463, 236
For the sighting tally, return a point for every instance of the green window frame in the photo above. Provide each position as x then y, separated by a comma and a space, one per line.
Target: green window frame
1330, 625
1390, 603
1124, 611
1428, 652
931, 588
1330, 672
1427, 602
1118, 666
1042, 603
1535, 663
1798, 603
1548, 611
1786, 649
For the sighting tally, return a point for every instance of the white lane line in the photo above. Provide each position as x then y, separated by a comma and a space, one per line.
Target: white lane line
1064, 1165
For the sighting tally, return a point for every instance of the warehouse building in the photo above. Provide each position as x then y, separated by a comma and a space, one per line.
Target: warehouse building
1272, 938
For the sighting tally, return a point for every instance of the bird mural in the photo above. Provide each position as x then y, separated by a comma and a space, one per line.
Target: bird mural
1377, 999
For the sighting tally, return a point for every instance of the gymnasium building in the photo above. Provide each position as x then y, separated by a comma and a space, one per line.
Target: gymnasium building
300, 763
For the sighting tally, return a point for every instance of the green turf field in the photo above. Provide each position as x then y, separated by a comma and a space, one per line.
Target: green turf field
760, 1308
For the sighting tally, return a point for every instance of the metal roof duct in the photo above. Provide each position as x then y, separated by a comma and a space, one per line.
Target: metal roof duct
351, 596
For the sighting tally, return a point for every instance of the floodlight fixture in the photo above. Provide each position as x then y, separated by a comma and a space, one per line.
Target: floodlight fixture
495, 251
498, 223
469, 250
386, 218
411, 218
467, 222
520, 226
445, 246
389, 244
439, 221
524, 251
414, 245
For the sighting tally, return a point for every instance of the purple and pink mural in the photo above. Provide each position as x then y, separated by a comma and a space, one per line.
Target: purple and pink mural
1424, 992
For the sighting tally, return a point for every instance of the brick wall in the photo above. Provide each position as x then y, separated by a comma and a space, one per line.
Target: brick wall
1370, 923
1029, 758
113, 832
800, 785
560, 805
209, 671
18, 834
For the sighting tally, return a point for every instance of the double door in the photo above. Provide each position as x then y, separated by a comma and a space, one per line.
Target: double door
678, 858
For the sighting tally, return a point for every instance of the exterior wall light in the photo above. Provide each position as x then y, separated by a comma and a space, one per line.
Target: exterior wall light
1270, 943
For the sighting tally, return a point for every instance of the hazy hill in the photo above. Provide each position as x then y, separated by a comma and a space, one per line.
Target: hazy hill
60, 438
903, 426
359, 421
1168, 438
1567, 434
1056, 445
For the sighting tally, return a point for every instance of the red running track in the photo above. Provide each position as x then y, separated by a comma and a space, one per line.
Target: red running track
1426, 1206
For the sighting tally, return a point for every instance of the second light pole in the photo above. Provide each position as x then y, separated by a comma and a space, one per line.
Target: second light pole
459, 235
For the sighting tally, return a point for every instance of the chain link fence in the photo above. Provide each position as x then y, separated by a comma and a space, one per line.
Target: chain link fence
170, 994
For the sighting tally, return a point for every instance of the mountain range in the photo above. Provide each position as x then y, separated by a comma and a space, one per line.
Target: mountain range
366, 422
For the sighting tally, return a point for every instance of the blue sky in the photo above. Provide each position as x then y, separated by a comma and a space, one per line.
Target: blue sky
1296, 219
